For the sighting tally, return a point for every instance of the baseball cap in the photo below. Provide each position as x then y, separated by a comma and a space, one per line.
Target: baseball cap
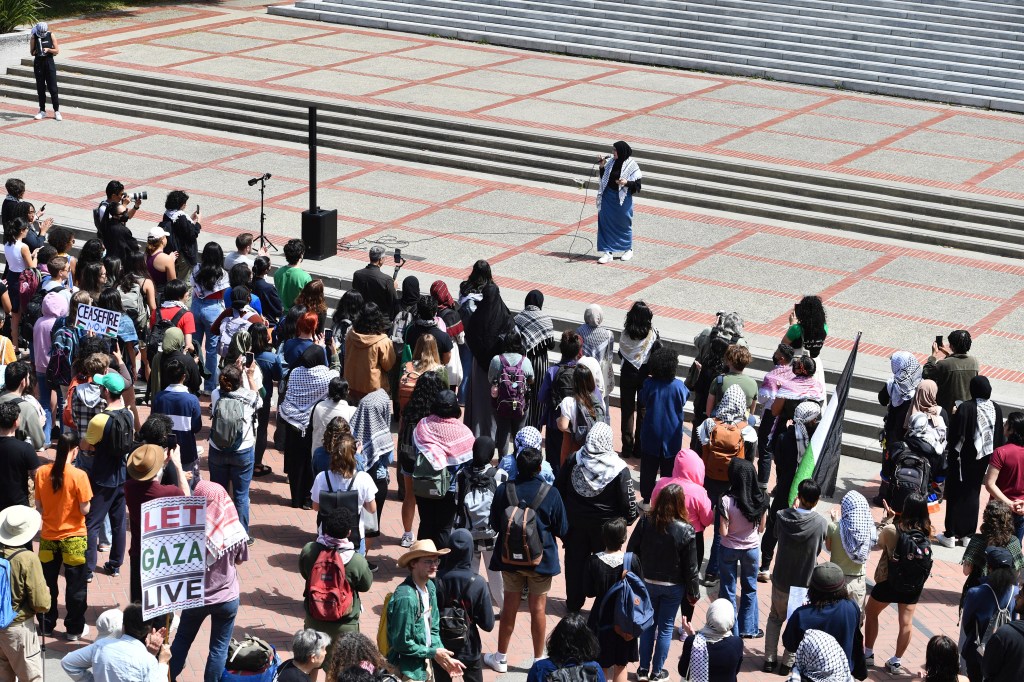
157, 233
113, 382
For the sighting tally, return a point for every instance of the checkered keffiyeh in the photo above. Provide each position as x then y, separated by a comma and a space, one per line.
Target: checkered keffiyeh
819, 658
857, 527
371, 427
535, 326
223, 529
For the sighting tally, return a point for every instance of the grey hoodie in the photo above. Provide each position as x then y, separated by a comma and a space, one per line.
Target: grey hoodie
801, 537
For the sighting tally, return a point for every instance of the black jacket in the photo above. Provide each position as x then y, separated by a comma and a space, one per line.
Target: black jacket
376, 287
7, 209
270, 300
460, 582
616, 500
1004, 654
118, 240
669, 556
184, 238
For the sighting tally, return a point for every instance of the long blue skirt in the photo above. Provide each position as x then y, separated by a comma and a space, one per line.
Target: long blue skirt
615, 222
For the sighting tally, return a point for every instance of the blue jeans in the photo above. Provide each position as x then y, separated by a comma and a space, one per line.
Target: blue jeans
666, 600
44, 399
206, 311
1018, 527
222, 623
233, 470
747, 561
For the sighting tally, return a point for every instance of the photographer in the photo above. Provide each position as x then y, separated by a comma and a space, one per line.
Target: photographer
184, 235
116, 195
37, 224
117, 239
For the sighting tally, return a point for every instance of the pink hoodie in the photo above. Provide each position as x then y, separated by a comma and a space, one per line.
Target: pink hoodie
688, 473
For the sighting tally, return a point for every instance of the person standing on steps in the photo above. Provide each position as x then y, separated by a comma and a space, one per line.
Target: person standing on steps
43, 47
620, 180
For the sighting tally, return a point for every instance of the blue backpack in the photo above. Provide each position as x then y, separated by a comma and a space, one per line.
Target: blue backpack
633, 612
7, 610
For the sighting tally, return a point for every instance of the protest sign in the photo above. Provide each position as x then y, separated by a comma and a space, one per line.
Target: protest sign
99, 320
173, 554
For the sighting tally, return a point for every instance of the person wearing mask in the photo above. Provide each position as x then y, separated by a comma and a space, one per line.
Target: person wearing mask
603, 570
369, 353
63, 494
713, 652
571, 644
538, 336
20, 655
662, 401
117, 237
43, 47
457, 586
829, 609
309, 652
665, 543
851, 536
638, 340
974, 433
801, 535
226, 548
952, 369
981, 604
551, 524
741, 522
375, 286
595, 485
139, 653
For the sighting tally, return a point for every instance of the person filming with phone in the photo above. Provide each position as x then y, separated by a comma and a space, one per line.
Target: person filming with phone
375, 285
952, 368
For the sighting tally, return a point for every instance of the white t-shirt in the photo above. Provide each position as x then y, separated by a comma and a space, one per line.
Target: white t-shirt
425, 600
363, 484
235, 257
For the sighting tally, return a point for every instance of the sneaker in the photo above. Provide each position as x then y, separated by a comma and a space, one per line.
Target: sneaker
896, 669
492, 662
111, 571
40, 116
88, 578
963, 542
625, 257
753, 635
604, 258
869, 660
945, 541
373, 566
251, 541
763, 576
643, 675
74, 638
660, 675
784, 670
406, 540
57, 116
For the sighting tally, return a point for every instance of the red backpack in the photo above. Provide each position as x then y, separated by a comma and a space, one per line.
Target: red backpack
328, 593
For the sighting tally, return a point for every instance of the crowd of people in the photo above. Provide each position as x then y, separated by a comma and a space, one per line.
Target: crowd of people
503, 450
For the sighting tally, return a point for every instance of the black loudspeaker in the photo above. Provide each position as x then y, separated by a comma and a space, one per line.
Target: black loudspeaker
320, 232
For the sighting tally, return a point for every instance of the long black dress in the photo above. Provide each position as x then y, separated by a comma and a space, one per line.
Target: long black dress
965, 472
603, 571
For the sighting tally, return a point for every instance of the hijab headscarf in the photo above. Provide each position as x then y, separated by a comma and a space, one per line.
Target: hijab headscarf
857, 527
906, 375
223, 529
597, 463
985, 421
819, 658
745, 491
371, 427
410, 291
535, 298
174, 342
532, 323
439, 290
313, 356
622, 152
528, 437
733, 407
721, 617
483, 451
485, 326
804, 414
925, 402
241, 343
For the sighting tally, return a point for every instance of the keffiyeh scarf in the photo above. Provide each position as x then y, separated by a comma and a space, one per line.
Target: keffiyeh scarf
445, 442
630, 172
528, 437
906, 375
597, 463
805, 413
223, 529
535, 326
819, 658
306, 387
345, 547
857, 527
985, 431
371, 427
636, 351
733, 406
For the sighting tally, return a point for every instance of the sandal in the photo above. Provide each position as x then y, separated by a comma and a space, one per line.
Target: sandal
262, 470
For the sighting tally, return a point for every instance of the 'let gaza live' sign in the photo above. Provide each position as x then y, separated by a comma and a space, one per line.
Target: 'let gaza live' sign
173, 554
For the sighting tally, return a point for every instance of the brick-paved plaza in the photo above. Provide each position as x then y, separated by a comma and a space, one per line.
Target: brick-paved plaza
689, 262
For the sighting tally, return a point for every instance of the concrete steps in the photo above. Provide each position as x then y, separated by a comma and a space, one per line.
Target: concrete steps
795, 196
965, 54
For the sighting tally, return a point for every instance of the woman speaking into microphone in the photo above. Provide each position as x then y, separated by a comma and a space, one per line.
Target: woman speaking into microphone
620, 180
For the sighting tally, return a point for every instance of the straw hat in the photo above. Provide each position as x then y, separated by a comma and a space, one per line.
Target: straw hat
18, 525
420, 549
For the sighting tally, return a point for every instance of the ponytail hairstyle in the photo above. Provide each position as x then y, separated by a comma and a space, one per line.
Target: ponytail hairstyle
66, 444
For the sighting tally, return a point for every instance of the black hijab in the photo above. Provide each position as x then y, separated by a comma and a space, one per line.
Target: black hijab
410, 291
981, 388
536, 298
314, 356
485, 327
483, 451
623, 152
963, 426
744, 489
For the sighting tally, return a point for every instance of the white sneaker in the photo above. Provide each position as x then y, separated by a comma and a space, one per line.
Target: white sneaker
57, 116
945, 541
627, 255
492, 662
406, 539
40, 116
200, 450
84, 633
605, 258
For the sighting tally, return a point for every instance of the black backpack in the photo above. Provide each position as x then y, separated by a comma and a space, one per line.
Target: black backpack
455, 620
33, 312
97, 219
562, 385
156, 336
911, 562
911, 474
523, 544
573, 672
118, 433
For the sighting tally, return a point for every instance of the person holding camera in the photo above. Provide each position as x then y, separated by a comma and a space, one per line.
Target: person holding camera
43, 47
183, 237
117, 238
116, 195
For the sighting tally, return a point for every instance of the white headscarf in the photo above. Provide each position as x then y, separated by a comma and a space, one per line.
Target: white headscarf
597, 463
721, 617
806, 413
857, 527
906, 375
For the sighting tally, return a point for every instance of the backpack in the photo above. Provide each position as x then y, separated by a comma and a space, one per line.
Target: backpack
911, 562
33, 312
584, 422
725, 444
228, 424
156, 335
454, 621
231, 326
407, 383
63, 346
912, 474
523, 544
402, 320
334, 499
382, 627
633, 612
428, 482
97, 218
328, 592
8, 610
510, 400
475, 512
28, 283
581, 672
118, 433
562, 385
251, 655
136, 308
1000, 618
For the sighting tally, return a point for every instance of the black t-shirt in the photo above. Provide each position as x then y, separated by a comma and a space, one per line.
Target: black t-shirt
416, 330
18, 460
289, 672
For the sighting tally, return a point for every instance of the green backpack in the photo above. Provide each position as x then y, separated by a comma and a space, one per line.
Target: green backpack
428, 482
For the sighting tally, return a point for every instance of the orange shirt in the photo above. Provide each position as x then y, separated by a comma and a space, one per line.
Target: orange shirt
62, 515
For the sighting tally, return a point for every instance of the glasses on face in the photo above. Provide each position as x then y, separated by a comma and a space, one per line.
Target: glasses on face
431, 562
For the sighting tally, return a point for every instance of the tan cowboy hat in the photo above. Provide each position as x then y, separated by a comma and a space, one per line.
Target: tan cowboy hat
419, 549
18, 525
146, 462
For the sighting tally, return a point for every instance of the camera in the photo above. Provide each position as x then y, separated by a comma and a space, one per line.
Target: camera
140, 196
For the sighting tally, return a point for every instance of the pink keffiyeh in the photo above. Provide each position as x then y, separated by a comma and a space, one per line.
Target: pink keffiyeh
223, 529
445, 442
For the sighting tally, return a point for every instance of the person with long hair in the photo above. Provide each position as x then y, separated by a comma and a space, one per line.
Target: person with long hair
269, 363
638, 340
982, 603
808, 326
662, 401
489, 320
349, 306
425, 358
571, 643
19, 258
138, 296
428, 387
579, 412
448, 311
209, 284
354, 649
553, 390
160, 265
997, 530
312, 299
369, 353
229, 467
92, 277
308, 383
270, 301
620, 180
1004, 478
342, 474
666, 544
335, 405
741, 522
64, 494
913, 518
538, 336
514, 355
942, 661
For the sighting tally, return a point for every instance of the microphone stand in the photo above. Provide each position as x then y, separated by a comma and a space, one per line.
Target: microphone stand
262, 240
